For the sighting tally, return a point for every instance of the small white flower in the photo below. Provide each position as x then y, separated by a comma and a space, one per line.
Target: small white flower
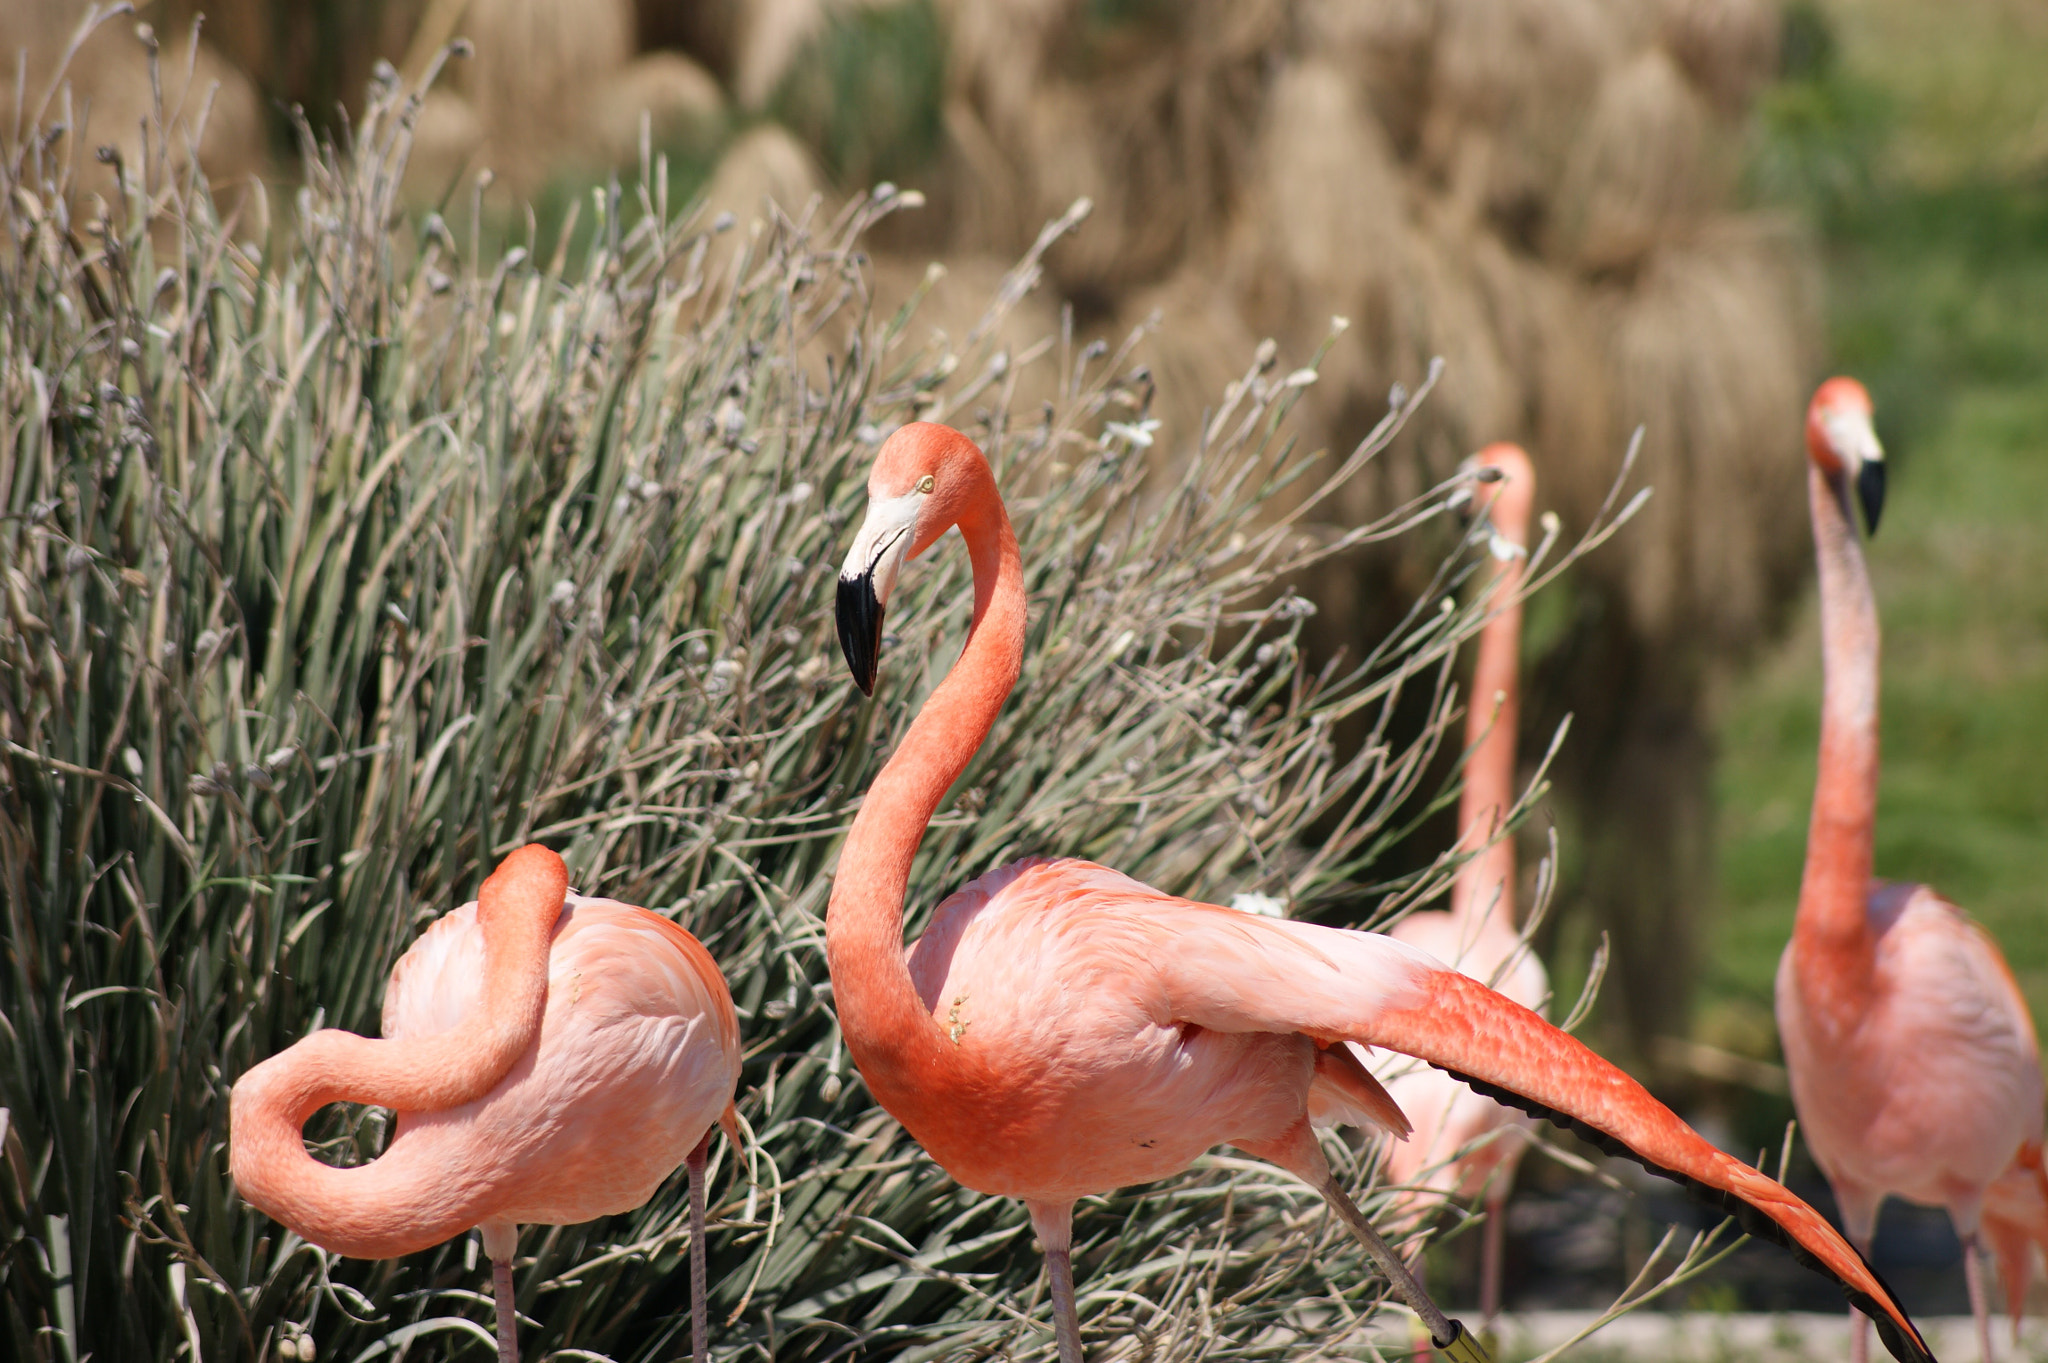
1136, 434
1251, 901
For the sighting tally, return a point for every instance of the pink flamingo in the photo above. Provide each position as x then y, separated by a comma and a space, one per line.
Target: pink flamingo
1478, 934
1913, 1061
551, 1058
1062, 1030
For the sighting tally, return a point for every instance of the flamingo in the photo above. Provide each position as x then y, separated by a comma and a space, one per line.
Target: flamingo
1478, 934
551, 1058
1061, 1030
1913, 1061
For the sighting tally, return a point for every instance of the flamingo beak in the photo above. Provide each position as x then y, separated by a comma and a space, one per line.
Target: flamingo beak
1856, 445
867, 578
1870, 492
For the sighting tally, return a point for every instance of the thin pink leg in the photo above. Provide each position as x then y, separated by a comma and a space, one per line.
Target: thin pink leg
1054, 1222
699, 1308
1491, 1238
1973, 1274
501, 1241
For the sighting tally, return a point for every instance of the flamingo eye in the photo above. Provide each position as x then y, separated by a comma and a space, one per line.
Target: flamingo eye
926, 483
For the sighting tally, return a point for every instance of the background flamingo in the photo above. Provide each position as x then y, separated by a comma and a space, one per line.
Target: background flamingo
1477, 934
1062, 1030
1913, 1060
551, 1058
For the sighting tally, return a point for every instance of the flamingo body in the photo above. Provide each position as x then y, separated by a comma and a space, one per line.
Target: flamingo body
1062, 1029
1933, 1088
637, 1058
1094, 1048
550, 1058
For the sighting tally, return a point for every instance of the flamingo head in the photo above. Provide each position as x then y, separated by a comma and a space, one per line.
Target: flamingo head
1505, 470
926, 480
1842, 444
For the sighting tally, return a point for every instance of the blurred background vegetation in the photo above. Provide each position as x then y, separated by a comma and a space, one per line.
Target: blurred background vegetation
1602, 212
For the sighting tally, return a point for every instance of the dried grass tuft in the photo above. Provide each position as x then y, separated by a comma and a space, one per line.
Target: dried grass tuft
1642, 170
1728, 47
1703, 359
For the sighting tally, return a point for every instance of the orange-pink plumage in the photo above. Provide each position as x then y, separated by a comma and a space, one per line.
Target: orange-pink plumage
1062, 1029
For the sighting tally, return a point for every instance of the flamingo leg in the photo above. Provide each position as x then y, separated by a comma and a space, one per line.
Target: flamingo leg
694, 1163
1449, 1336
1054, 1222
1973, 1275
1492, 1237
501, 1239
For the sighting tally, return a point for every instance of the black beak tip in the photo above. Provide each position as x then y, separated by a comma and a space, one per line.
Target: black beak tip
1870, 492
859, 617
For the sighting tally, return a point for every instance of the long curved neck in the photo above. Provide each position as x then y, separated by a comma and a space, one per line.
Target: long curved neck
891, 1035
1831, 935
396, 1204
392, 1206
1482, 896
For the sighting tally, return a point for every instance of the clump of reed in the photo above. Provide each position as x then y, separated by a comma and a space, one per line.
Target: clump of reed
338, 556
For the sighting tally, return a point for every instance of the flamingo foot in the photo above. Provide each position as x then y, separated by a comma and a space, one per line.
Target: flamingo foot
501, 1240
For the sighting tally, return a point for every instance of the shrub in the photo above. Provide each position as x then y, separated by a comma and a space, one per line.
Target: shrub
340, 559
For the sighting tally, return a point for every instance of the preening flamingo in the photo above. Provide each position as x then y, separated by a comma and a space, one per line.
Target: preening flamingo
1477, 934
1061, 1029
551, 1058
1913, 1061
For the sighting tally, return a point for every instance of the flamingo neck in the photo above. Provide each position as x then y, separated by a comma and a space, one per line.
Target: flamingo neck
395, 1204
1483, 895
894, 1039
1831, 936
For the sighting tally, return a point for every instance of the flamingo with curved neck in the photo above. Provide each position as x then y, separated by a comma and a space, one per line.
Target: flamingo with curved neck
551, 1058
1061, 1030
1477, 934
1912, 1056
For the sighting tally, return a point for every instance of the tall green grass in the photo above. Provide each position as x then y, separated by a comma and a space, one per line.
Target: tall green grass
340, 558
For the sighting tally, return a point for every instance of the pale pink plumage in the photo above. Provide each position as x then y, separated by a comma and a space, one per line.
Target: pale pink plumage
1913, 1060
637, 1058
551, 1058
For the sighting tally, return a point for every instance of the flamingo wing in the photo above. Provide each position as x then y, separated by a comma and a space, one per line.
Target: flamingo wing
1232, 971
